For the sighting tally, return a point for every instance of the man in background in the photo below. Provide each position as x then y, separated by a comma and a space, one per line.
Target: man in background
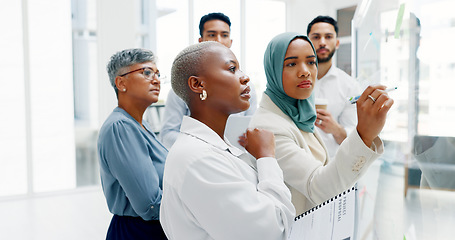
333, 84
212, 27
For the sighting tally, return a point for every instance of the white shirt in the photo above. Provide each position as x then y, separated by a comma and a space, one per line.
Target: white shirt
176, 108
337, 87
211, 192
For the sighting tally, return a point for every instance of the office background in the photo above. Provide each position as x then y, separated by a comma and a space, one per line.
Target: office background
56, 96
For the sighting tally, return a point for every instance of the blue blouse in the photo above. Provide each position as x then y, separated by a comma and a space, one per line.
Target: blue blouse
131, 166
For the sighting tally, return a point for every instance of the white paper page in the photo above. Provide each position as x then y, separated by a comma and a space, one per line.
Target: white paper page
235, 127
344, 222
334, 219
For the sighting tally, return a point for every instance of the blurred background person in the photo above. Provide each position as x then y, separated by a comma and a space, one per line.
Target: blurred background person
333, 85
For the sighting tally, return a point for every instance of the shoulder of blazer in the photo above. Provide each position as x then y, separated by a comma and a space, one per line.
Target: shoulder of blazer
268, 116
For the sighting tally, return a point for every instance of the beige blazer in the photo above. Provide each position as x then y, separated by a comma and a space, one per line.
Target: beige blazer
313, 181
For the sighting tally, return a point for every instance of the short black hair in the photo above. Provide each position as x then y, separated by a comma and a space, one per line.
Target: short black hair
326, 19
213, 16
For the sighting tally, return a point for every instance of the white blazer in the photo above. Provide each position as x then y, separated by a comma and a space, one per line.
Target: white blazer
313, 181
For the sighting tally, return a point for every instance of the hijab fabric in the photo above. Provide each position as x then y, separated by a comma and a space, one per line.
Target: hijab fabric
301, 111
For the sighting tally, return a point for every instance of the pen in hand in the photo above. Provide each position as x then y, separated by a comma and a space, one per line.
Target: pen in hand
354, 99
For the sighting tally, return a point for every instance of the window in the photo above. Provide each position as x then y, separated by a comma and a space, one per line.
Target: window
249, 43
13, 128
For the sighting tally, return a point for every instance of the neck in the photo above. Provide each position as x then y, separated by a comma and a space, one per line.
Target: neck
135, 110
214, 120
323, 68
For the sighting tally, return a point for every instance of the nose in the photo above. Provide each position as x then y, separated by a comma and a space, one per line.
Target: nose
322, 41
244, 79
218, 38
156, 80
304, 71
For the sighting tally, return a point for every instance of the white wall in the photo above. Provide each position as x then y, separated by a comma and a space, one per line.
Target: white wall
301, 12
116, 31
118, 27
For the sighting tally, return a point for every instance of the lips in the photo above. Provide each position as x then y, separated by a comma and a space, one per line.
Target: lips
155, 90
305, 84
246, 92
322, 50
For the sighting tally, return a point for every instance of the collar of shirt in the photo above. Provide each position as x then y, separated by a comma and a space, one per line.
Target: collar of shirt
201, 131
331, 72
144, 122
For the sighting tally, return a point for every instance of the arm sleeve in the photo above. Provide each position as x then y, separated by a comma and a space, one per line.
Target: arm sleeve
174, 111
316, 181
228, 206
131, 164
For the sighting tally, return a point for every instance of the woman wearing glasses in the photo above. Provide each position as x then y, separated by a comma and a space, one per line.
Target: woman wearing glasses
131, 158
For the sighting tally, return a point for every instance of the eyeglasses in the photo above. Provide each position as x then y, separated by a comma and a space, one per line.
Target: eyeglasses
148, 73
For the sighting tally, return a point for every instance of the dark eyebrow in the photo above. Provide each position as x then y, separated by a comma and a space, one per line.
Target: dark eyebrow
151, 69
231, 61
288, 58
213, 31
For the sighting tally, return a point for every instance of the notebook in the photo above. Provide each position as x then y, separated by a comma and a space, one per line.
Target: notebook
334, 219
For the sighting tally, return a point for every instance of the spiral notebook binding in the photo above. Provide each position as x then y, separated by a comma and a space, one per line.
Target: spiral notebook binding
324, 203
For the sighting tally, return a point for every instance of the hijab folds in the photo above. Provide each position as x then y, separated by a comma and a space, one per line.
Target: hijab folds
301, 111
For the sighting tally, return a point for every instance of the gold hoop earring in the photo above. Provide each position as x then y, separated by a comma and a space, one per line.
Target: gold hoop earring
203, 95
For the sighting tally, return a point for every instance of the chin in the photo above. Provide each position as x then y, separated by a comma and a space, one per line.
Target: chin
243, 108
154, 100
301, 95
247, 106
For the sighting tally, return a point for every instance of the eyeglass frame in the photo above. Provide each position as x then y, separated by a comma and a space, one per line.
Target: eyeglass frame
157, 73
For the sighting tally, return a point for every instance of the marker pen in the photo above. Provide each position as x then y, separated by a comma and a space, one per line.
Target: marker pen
354, 99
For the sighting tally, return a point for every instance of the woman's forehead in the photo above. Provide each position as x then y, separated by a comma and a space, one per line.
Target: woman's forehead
299, 44
144, 64
219, 54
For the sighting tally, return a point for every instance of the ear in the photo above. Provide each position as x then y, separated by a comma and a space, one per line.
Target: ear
196, 84
200, 39
120, 83
338, 44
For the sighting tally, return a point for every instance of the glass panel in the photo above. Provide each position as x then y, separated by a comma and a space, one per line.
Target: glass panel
13, 168
272, 16
51, 94
171, 37
406, 52
84, 74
